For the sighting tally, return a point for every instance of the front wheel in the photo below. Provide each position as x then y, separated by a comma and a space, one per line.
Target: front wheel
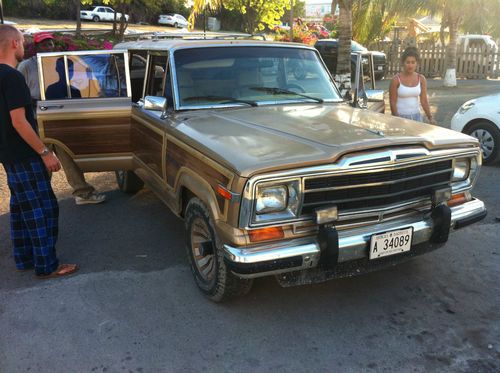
206, 258
96, 19
128, 181
489, 139
176, 25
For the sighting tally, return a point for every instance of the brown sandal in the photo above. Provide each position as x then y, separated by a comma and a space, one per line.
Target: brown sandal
62, 270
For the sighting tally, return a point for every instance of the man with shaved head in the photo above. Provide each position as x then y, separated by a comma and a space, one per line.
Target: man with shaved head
34, 210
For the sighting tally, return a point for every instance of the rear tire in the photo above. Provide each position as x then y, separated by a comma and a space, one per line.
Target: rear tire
489, 139
206, 256
96, 19
128, 181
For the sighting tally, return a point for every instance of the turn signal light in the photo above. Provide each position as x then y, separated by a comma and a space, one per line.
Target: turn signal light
265, 234
224, 193
457, 199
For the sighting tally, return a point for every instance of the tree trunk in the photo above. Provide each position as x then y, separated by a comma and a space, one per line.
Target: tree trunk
123, 22
333, 7
343, 72
450, 78
78, 19
114, 24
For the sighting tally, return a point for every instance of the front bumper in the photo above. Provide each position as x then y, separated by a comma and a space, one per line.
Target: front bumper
305, 253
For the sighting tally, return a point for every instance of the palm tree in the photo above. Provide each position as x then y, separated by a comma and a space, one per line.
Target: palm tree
452, 13
200, 6
344, 32
373, 19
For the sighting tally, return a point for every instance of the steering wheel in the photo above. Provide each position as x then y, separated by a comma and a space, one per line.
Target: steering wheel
295, 87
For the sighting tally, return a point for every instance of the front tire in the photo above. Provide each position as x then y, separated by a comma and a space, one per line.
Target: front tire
128, 181
489, 139
96, 19
176, 25
206, 257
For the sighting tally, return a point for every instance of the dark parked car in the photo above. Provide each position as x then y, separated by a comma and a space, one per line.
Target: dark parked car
328, 50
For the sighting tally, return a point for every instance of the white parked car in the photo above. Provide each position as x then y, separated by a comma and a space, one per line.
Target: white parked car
172, 19
480, 118
101, 13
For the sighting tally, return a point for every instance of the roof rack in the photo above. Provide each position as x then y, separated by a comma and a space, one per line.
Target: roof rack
193, 36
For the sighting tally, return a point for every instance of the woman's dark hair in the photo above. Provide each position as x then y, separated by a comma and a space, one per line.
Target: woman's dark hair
410, 52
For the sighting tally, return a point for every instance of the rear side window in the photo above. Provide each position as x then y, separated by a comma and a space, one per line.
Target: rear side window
83, 76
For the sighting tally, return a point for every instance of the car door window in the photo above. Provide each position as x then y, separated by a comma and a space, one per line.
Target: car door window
137, 63
93, 75
156, 75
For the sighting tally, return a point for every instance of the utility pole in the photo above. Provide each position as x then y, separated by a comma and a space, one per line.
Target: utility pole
291, 20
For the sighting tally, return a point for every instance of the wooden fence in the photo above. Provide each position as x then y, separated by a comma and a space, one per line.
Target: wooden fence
473, 63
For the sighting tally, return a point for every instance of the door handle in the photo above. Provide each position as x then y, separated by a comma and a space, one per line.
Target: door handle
47, 107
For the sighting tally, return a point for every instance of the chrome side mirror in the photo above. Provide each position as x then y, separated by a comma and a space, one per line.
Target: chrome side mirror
362, 100
375, 95
155, 103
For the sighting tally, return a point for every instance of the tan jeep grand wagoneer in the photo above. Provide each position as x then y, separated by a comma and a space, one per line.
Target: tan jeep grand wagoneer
251, 144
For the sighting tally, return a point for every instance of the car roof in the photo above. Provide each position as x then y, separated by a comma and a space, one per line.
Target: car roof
171, 44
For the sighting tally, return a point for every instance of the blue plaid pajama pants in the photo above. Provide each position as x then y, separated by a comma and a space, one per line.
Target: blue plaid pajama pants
34, 214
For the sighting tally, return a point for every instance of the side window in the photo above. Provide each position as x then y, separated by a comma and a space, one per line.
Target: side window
137, 63
89, 76
100, 10
156, 75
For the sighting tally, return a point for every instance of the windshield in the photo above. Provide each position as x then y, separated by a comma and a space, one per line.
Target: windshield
228, 75
356, 47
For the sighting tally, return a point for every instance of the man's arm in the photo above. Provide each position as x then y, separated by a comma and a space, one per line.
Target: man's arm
24, 129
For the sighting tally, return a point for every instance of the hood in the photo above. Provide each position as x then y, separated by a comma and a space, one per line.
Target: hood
262, 139
490, 99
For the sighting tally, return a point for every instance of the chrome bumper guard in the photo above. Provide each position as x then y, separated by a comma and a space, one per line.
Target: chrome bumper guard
305, 253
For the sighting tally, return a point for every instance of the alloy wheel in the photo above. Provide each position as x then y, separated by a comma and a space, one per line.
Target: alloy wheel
486, 141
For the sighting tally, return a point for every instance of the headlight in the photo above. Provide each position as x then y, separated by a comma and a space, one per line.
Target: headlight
461, 169
276, 201
271, 199
467, 106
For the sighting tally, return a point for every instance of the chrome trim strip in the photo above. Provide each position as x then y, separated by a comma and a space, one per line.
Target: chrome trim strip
375, 196
367, 185
270, 251
353, 243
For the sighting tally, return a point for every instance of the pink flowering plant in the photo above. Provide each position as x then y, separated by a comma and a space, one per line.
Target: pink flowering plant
300, 35
65, 42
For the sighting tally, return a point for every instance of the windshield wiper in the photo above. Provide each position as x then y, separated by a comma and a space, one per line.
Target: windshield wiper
278, 91
225, 99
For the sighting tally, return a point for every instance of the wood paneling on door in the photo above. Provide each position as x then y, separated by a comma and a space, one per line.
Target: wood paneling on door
91, 136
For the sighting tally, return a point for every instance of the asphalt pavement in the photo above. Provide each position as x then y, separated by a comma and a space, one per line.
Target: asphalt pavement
134, 307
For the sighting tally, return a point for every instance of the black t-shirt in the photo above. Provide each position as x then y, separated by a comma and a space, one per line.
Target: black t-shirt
14, 94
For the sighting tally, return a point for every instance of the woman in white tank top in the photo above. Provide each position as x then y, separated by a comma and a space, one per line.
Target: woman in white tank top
408, 90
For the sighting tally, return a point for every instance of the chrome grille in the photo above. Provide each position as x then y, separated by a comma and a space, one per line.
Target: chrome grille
377, 188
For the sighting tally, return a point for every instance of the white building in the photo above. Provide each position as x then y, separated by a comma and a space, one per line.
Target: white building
316, 9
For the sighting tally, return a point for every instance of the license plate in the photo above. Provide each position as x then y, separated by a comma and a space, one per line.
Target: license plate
390, 243
380, 67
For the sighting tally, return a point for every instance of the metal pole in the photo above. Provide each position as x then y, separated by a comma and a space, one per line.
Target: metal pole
1, 11
291, 20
